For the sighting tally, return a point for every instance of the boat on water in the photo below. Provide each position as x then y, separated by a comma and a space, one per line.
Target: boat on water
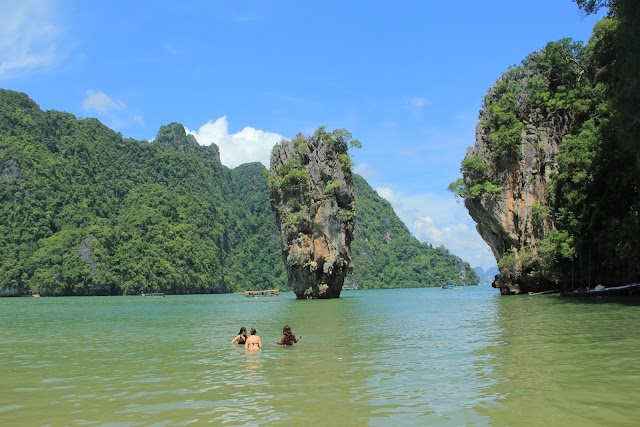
624, 290
552, 291
153, 294
447, 286
262, 293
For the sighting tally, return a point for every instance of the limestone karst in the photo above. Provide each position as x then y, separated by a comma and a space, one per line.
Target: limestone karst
313, 197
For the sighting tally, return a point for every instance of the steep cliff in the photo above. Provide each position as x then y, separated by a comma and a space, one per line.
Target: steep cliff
85, 211
510, 177
553, 180
314, 199
510, 222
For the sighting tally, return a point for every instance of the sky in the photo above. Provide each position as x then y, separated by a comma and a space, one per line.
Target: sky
405, 77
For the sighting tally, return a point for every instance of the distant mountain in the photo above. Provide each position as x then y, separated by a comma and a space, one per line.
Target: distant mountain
85, 211
486, 276
386, 255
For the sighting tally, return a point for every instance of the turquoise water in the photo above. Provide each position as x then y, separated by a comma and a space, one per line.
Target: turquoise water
410, 357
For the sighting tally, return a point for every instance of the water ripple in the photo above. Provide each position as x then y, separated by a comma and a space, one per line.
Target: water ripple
373, 358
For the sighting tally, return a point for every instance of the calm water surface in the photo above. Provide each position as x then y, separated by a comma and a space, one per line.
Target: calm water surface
412, 357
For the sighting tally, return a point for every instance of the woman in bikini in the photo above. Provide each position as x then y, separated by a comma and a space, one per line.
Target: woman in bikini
242, 336
288, 337
253, 342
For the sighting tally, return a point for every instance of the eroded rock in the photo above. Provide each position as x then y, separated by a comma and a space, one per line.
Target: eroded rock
313, 197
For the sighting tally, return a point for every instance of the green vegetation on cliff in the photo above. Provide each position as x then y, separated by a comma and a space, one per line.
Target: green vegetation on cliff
257, 259
386, 255
85, 211
292, 180
88, 212
587, 228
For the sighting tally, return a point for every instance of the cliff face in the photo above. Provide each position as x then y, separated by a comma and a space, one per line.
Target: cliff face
312, 195
509, 223
510, 176
174, 136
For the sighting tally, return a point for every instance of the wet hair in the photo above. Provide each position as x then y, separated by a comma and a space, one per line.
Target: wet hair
253, 331
289, 337
243, 331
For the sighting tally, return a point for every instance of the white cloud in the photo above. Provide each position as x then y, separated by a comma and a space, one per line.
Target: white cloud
171, 48
419, 103
407, 152
440, 220
387, 193
28, 37
137, 118
248, 145
366, 171
426, 226
100, 102
113, 113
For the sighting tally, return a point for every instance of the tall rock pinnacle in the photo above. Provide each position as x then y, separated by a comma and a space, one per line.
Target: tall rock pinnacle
313, 197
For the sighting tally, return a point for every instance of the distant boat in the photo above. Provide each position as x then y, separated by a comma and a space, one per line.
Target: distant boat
153, 294
624, 290
553, 291
447, 286
262, 293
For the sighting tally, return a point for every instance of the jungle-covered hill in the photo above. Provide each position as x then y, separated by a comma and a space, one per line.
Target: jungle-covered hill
86, 211
385, 254
553, 180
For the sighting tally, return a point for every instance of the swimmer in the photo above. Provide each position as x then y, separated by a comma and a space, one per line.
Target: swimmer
288, 337
253, 342
242, 336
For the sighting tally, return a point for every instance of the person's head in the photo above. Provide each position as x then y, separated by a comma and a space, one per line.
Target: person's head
253, 331
243, 331
286, 331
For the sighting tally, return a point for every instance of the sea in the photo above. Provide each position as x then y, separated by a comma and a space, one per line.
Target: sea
401, 357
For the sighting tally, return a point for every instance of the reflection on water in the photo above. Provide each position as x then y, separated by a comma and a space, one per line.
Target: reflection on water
463, 356
566, 362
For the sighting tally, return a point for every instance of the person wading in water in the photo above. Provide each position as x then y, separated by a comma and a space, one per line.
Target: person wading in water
242, 336
253, 342
288, 337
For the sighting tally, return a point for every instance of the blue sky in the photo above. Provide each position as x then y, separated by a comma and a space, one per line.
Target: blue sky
406, 78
